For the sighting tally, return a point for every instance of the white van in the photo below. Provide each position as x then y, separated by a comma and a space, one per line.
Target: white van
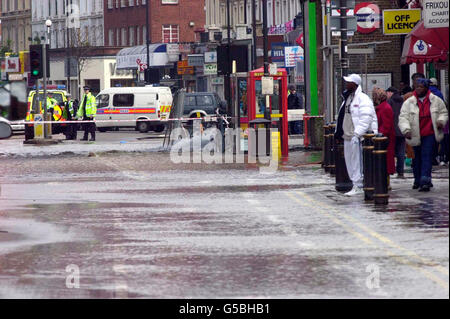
144, 108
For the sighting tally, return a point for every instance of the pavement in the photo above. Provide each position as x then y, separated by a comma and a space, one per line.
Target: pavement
137, 225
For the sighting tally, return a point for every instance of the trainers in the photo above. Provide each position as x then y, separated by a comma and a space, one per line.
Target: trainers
401, 176
415, 186
442, 164
355, 191
424, 188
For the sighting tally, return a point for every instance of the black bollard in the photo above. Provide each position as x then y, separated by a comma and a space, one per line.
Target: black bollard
381, 195
332, 149
326, 151
343, 182
368, 170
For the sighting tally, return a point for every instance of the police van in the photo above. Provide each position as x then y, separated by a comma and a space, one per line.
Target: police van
144, 108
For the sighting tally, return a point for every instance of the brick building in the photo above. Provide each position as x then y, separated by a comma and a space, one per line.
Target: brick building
386, 59
171, 21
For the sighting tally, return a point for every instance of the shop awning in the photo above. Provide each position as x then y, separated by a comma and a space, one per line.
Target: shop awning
131, 58
424, 45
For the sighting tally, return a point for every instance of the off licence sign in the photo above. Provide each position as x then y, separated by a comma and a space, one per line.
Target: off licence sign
400, 21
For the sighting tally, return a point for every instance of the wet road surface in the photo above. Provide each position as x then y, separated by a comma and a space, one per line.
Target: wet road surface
139, 226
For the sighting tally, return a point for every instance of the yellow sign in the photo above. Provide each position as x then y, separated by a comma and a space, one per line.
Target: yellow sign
276, 146
400, 21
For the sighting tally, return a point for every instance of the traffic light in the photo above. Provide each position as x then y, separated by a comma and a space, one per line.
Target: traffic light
36, 62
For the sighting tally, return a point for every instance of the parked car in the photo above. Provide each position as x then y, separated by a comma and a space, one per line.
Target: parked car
203, 105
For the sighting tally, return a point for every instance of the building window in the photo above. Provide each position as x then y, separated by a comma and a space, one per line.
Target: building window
138, 36
110, 4
124, 36
169, 1
131, 36
170, 33
111, 37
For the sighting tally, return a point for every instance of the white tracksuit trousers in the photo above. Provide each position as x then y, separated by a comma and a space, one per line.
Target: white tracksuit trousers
354, 162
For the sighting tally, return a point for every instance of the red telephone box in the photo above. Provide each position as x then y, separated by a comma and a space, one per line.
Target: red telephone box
277, 107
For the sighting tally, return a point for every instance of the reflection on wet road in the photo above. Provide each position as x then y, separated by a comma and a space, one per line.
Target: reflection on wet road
138, 226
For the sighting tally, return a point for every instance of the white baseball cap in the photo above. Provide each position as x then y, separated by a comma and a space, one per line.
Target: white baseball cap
355, 78
433, 81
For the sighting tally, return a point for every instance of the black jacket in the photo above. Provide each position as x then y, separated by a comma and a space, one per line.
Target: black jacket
396, 102
340, 121
294, 102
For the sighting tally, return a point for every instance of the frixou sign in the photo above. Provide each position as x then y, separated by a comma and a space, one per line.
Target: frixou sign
435, 13
400, 21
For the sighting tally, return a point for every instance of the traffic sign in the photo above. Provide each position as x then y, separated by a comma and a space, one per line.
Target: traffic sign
335, 23
368, 16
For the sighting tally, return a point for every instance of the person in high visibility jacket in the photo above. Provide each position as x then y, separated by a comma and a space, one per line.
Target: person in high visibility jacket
87, 111
70, 114
51, 102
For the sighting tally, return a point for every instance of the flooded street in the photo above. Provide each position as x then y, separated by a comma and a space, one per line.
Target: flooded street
139, 226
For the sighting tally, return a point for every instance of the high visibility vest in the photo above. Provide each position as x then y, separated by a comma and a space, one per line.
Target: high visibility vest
71, 109
90, 104
51, 102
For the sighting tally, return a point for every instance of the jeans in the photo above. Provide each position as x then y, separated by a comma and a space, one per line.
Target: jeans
423, 160
443, 153
400, 149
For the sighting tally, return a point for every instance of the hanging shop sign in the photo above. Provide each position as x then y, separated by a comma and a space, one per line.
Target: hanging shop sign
435, 13
400, 21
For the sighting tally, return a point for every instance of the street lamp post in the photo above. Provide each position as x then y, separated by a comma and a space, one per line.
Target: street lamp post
265, 39
48, 24
67, 49
229, 63
147, 19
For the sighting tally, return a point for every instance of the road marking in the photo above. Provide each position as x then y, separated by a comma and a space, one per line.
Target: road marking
365, 239
379, 236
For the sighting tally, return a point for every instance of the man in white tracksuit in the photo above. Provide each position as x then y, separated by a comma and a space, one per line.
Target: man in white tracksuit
357, 116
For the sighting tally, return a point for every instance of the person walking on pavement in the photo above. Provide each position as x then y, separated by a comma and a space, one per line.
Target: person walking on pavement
422, 120
396, 101
295, 102
356, 117
385, 116
87, 111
